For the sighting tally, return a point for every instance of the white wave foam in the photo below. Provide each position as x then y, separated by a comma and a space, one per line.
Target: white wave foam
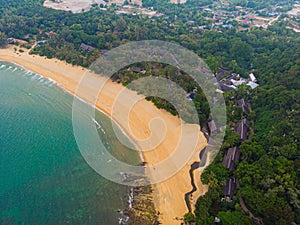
34, 77
9, 67
96, 122
51, 82
123, 219
28, 72
130, 198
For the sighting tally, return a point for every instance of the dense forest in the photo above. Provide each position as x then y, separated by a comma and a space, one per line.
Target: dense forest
268, 172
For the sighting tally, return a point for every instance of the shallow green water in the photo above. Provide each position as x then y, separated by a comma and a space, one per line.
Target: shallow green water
43, 177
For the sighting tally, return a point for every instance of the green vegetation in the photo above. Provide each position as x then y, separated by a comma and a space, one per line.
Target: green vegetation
3, 40
155, 69
233, 218
269, 169
256, 4
268, 172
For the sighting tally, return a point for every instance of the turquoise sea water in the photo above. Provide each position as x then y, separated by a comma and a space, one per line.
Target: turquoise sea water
43, 177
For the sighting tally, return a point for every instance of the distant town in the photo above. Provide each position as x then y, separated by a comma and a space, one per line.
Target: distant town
216, 16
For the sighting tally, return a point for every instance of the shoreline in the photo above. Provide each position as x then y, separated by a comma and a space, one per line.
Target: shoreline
122, 129
124, 132
168, 196
131, 197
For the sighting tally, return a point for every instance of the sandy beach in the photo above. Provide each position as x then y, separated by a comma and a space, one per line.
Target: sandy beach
168, 195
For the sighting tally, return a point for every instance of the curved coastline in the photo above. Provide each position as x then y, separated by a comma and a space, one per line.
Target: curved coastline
84, 101
165, 194
28, 71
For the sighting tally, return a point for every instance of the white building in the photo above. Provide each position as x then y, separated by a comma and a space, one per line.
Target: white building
252, 84
252, 77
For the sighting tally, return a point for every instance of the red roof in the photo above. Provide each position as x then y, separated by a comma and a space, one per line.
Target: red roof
246, 21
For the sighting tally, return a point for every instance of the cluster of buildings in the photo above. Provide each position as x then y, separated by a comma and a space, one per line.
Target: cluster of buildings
218, 16
226, 81
230, 81
85, 47
223, 15
233, 154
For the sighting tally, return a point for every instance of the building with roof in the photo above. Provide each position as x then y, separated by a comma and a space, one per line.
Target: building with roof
85, 47
244, 105
241, 129
252, 77
225, 87
137, 69
238, 82
232, 156
212, 127
41, 43
230, 82
246, 21
222, 74
229, 189
252, 84
229, 25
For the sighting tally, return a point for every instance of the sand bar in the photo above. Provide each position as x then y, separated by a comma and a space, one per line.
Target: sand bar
168, 195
